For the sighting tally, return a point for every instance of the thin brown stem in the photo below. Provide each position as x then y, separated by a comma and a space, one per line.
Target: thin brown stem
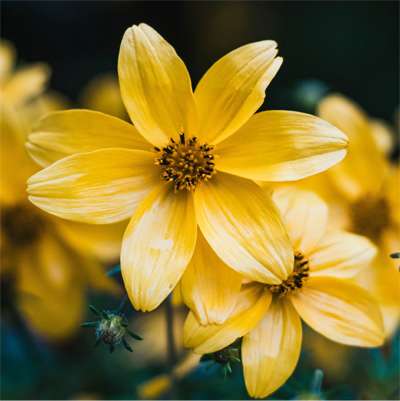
171, 349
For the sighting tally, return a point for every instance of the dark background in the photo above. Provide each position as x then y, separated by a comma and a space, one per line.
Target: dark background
353, 47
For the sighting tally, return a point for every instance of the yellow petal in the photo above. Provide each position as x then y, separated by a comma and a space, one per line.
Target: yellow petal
155, 387
84, 241
65, 133
16, 166
104, 241
50, 293
383, 134
7, 60
245, 228
209, 287
341, 254
271, 349
100, 187
158, 245
392, 195
234, 88
305, 215
341, 311
363, 169
282, 146
27, 83
382, 280
251, 305
155, 86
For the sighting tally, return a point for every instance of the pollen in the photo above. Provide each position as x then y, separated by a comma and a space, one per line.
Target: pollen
186, 163
370, 216
296, 280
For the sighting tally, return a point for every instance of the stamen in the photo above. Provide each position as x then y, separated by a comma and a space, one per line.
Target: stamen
296, 280
186, 163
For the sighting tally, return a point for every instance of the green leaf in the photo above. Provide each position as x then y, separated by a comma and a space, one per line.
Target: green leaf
95, 311
90, 324
132, 334
126, 345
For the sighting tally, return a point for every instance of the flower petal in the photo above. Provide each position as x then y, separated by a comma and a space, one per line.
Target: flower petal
282, 146
341, 311
363, 170
7, 60
251, 305
158, 245
305, 215
65, 133
155, 86
50, 293
104, 241
100, 187
271, 349
209, 287
26, 83
234, 88
341, 254
245, 228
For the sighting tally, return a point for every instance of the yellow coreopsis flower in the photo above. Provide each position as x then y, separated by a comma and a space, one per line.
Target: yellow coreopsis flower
364, 190
39, 260
162, 172
317, 290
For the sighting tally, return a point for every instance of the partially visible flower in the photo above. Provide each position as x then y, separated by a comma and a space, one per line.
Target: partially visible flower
20, 86
364, 192
162, 172
49, 272
318, 290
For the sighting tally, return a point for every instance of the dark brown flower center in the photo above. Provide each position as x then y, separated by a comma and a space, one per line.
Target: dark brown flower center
296, 280
20, 224
370, 216
186, 163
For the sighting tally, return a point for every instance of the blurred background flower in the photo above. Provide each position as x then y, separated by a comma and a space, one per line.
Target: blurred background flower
346, 47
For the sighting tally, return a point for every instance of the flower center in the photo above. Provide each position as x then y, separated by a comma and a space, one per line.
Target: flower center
370, 216
20, 224
296, 280
186, 163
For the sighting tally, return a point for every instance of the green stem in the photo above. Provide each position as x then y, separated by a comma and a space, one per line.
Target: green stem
123, 304
171, 350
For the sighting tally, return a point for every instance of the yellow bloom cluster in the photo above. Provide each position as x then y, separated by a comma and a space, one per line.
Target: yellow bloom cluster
46, 263
189, 174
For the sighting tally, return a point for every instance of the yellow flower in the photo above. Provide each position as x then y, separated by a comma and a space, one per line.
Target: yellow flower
111, 171
317, 290
39, 257
20, 86
364, 189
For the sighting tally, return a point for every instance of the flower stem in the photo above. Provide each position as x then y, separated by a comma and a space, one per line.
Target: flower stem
123, 304
171, 350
